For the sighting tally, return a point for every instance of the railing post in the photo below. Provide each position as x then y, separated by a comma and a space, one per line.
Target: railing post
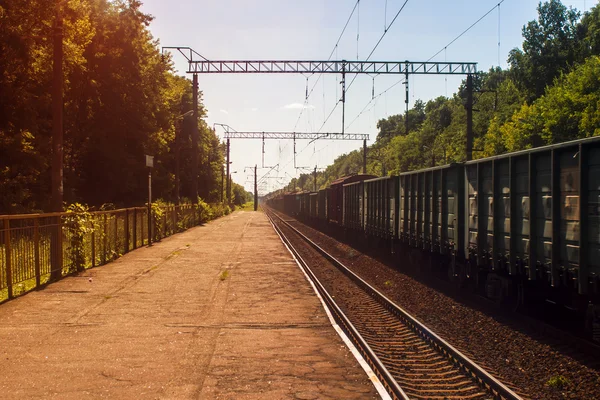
126, 231
105, 239
8, 258
134, 228
36, 249
93, 245
115, 241
142, 230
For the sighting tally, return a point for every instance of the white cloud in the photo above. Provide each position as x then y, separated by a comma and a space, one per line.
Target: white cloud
254, 109
298, 106
224, 111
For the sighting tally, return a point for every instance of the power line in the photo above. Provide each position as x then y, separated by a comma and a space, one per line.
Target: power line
432, 57
467, 30
385, 31
328, 58
372, 100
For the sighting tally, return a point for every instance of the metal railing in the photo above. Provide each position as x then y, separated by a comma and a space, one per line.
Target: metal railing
36, 249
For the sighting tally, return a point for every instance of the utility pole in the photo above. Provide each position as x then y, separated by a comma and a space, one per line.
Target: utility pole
57, 143
406, 101
228, 176
255, 189
195, 140
343, 99
469, 107
222, 181
315, 179
364, 156
177, 162
57, 114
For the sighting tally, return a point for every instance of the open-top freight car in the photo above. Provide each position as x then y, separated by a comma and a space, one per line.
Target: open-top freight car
313, 205
381, 207
353, 204
431, 215
535, 214
335, 196
291, 204
322, 205
522, 227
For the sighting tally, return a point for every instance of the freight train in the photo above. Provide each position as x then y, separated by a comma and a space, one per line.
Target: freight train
519, 227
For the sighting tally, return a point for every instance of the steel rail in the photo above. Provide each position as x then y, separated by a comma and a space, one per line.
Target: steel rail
370, 357
484, 379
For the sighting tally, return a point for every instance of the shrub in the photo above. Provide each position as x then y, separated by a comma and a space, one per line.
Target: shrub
558, 382
78, 221
204, 211
158, 212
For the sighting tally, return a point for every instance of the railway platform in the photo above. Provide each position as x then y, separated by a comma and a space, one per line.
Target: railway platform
218, 311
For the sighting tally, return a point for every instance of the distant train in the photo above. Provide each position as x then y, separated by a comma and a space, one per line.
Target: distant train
519, 227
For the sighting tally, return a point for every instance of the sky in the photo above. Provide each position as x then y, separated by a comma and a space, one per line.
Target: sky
309, 30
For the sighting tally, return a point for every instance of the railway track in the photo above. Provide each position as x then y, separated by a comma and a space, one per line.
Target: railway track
410, 360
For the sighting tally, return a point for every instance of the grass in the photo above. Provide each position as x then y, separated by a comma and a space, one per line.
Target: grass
249, 206
224, 275
558, 382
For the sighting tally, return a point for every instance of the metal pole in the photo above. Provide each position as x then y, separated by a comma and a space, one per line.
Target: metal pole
406, 101
469, 107
178, 163
222, 182
149, 208
343, 95
315, 178
365, 156
228, 176
195, 140
255, 189
57, 146
57, 114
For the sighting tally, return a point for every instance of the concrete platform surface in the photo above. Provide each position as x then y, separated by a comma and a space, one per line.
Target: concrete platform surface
218, 312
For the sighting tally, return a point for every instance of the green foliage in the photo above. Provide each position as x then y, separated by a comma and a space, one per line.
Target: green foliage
205, 211
549, 48
158, 213
558, 382
224, 275
78, 222
240, 195
122, 100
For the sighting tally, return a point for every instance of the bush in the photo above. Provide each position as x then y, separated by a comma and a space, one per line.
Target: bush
158, 212
78, 221
204, 211
218, 210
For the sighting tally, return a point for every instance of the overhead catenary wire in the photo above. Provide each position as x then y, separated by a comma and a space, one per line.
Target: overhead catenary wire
443, 49
335, 47
386, 30
466, 30
334, 50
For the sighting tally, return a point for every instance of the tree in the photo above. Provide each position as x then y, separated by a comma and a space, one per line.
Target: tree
549, 48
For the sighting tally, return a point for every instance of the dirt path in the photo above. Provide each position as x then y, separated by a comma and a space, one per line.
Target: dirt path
219, 311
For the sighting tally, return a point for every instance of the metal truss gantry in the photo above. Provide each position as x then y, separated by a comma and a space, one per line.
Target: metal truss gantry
295, 135
231, 133
198, 64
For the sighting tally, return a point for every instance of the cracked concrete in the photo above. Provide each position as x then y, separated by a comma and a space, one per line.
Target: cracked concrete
167, 322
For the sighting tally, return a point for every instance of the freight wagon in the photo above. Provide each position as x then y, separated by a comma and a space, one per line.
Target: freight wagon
520, 227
